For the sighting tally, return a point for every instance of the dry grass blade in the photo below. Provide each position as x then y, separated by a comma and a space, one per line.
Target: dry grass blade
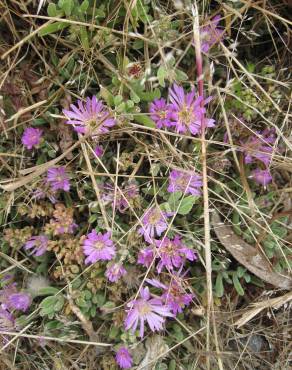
256, 308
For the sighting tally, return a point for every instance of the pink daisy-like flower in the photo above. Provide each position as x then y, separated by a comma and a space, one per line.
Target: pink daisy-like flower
188, 183
7, 321
145, 257
31, 137
98, 247
174, 295
161, 113
259, 147
115, 272
123, 358
37, 244
154, 223
145, 309
58, 179
90, 117
188, 111
211, 34
262, 177
173, 253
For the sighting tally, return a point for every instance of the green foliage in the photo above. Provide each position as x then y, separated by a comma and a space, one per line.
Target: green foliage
179, 203
224, 275
73, 10
168, 72
128, 53
52, 305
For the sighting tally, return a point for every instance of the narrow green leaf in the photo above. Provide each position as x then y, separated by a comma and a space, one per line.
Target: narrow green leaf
84, 6
67, 6
237, 284
84, 38
172, 365
219, 288
144, 120
52, 28
92, 218
240, 271
50, 290
52, 10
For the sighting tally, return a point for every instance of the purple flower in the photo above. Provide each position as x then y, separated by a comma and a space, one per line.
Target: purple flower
58, 179
146, 309
188, 110
262, 177
173, 253
40, 193
122, 197
187, 183
161, 113
19, 301
6, 292
90, 117
31, 137
115, 272
210, 35
259, 147
98, 247
145, 257
38, 244
123, 358
98, 150
174, 294
7, 321
11, 299
154, 223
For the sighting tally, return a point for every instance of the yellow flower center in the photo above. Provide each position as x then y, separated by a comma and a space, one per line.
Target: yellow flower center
154, 217
144, 308
186, 115
168, 249
162, 114
99, 245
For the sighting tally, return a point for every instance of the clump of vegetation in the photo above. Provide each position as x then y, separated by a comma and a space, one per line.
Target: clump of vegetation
145, 182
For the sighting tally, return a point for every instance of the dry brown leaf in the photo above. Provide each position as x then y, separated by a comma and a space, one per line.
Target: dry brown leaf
248, 255
259, 306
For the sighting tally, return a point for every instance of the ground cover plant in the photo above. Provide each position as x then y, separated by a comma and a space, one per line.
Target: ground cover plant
145, 184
